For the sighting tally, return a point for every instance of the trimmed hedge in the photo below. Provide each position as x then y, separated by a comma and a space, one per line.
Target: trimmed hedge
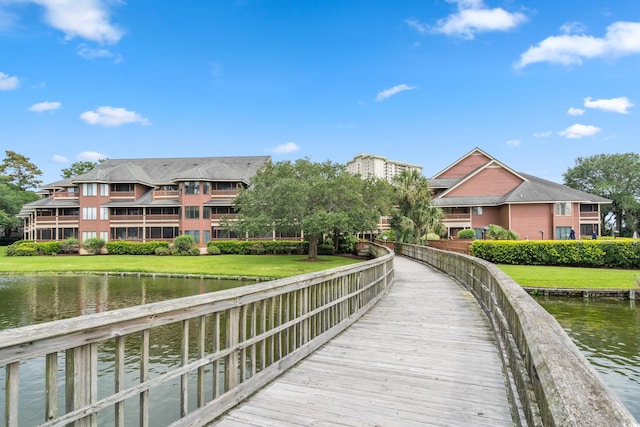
620, 253
30, 248
259, 247
124, 247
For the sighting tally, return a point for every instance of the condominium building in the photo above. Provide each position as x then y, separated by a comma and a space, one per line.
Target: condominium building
142, 200
372, 166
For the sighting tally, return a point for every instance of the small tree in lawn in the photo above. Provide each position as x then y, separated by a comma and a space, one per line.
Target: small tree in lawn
316, 198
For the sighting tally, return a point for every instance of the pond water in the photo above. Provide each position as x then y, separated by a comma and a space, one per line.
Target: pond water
30, 300
608, 334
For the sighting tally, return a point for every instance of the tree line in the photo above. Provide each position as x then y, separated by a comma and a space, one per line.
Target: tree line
323, 199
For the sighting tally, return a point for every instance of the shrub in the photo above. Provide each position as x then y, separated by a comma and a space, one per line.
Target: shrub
213, 250
185, 246
622, 253
274, 247
433, 236
70, 245
326, 249
162, 251
94, 245
496, 232
48, 248
466, 234
124, 247
22, 248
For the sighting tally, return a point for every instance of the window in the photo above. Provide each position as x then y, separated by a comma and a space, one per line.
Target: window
192, 187
104, 213
89, 189
122, 187
588, 208
104, 235
562, 233
206, 235
192, 212
194, 233
206, 212
86, 235
206, 187
476, 210
225, 186
89, 213
563, 209
104, 189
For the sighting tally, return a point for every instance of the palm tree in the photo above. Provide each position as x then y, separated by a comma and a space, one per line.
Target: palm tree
415, 216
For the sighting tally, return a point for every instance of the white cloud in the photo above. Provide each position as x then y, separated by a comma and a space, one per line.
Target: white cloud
44, 106
617, 105
514, 142
474, 17
575, 111
58, 158
96, 53
288, 147
90, 156
393, 91
112, 117
8, 82
621, 39
543, 134
417, 25
578, 131
87, 19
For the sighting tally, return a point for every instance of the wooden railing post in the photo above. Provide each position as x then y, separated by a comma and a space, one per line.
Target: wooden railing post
11, 399
233, 329
82, 381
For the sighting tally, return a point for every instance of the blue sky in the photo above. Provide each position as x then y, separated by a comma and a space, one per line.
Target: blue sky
536, 84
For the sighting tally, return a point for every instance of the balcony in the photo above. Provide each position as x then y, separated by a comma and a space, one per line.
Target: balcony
65, 195
457, 216
590, 215
123, 194
165, 194
57, 220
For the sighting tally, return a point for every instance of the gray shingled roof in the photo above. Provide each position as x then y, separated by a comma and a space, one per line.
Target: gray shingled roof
531, 191
159, 171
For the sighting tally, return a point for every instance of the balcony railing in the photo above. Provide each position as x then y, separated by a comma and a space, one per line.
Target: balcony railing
65, 195
457, 216
58, 219
165, 194
123, 194
590, 215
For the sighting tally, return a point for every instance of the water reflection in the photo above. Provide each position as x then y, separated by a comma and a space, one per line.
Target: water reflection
30, 300
608, 334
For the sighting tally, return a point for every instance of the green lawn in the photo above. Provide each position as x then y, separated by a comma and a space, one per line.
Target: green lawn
263, 266
571, 277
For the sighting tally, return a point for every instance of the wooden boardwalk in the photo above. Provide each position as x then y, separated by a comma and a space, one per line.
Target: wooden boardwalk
423, 356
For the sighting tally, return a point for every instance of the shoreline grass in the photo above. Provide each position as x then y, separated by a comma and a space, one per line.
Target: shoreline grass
534, 276
250, 266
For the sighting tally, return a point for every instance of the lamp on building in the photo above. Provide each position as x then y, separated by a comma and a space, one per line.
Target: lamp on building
484, 232
541, 235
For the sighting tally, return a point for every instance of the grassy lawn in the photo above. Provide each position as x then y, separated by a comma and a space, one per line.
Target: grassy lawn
263, 266
571, 277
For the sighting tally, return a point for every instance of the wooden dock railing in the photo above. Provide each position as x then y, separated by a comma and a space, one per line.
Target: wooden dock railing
555, 383
232, 343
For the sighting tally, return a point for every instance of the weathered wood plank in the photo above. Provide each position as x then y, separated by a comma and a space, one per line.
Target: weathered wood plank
424, 355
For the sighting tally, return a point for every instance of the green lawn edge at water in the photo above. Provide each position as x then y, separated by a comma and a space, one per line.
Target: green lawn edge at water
251, 266
534, 276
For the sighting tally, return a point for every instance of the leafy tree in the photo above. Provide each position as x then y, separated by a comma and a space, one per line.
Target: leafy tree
314, 198
615, 177
11, 200
415, 215
79, 168
20, 171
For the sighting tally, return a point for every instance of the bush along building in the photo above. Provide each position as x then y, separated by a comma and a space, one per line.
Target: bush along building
477, 190
142, 200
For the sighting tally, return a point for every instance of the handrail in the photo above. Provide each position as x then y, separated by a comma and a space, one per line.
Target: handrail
555, 383
244, 338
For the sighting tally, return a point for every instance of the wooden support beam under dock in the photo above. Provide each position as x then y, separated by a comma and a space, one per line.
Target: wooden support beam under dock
425, 355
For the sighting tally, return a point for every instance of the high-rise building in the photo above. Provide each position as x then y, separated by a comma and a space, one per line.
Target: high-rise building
369, 165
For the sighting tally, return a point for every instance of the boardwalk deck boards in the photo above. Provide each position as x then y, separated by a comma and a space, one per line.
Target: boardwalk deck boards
425, 355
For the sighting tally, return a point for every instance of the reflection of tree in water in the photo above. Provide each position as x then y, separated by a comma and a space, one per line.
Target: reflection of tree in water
608, 333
